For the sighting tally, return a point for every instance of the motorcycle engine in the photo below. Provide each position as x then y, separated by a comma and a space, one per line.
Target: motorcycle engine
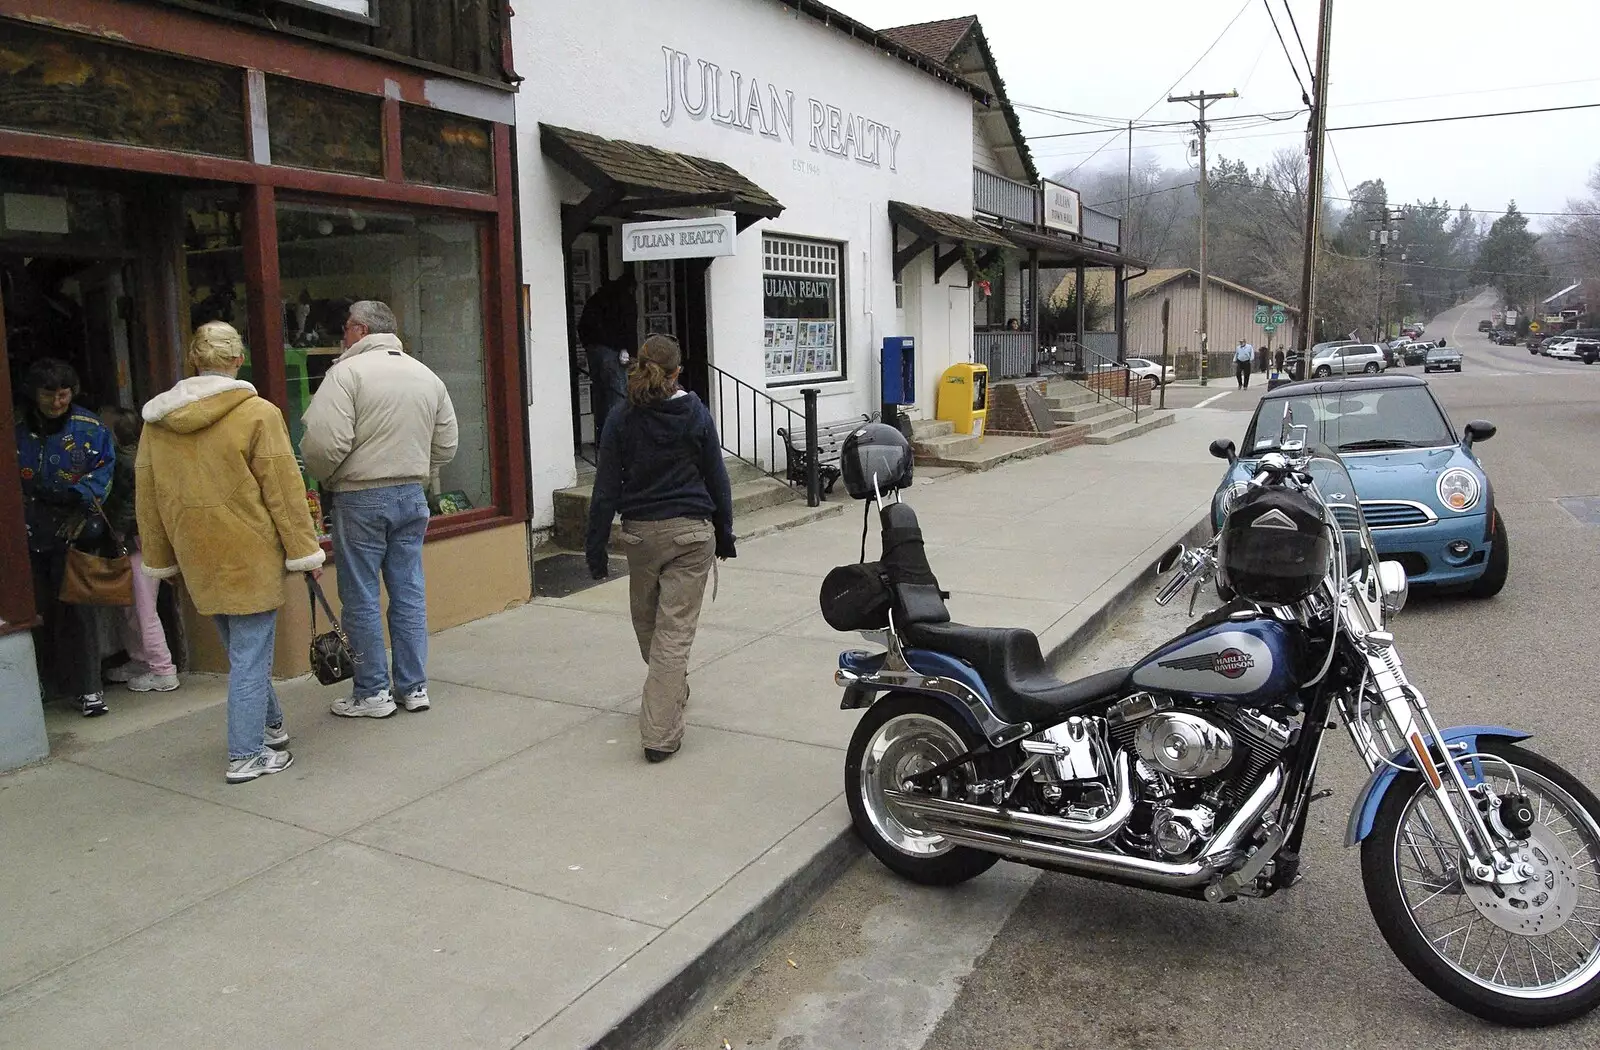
1194, 762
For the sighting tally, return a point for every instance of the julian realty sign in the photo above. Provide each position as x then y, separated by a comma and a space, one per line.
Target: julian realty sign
678, 238
1061, 210
701, 90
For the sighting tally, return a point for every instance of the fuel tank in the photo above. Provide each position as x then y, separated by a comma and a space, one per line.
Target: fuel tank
1250, 661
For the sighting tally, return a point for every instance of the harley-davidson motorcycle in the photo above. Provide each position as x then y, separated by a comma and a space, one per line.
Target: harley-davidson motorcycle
1192, 771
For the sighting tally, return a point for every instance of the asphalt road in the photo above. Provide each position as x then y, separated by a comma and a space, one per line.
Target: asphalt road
1014, 959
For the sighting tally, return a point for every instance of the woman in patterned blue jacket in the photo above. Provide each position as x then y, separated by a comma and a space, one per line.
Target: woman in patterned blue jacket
66, 457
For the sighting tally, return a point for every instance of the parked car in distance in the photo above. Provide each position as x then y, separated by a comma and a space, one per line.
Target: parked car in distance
1560, 348
1586, 344
1420, 486
1485, 325
1442, 359
1348, 359
1412, 330
1414, 353
1536, 341
1150, 371
1502, 337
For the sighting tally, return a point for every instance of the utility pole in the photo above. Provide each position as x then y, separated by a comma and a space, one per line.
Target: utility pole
1317, 132
1382, 239
1201, 99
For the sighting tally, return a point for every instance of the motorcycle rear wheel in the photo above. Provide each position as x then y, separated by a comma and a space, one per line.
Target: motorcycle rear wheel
900, 735
1524, 956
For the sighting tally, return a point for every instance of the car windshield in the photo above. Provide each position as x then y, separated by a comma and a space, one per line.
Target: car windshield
1354, 420
1441, 351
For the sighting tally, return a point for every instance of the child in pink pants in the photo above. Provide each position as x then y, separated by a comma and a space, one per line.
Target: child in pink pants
149, 667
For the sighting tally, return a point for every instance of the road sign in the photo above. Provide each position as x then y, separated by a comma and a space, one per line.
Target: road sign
1533, 326
1277, 316
1269, 328
1261, 313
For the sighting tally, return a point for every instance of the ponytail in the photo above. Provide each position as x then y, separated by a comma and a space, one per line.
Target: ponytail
651, 379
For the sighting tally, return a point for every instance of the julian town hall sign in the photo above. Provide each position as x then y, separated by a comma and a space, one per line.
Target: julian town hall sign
702, 89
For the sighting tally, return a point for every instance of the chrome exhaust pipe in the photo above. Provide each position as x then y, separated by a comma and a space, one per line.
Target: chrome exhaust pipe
945, 815
1216, 858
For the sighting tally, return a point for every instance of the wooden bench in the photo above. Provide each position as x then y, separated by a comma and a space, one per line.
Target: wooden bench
830, 442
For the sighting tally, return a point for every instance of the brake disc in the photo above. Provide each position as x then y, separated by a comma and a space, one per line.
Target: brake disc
1542, 902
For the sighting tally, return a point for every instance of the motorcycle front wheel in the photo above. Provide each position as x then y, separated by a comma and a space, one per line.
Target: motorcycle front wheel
899, 736
1524, 954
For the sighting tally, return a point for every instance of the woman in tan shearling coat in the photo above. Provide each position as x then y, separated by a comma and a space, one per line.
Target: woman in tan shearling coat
220, 500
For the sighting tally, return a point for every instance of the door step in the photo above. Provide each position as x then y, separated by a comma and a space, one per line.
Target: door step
753, 493
1129, 429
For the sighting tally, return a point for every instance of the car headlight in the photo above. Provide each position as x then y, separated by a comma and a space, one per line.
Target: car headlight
1458, 489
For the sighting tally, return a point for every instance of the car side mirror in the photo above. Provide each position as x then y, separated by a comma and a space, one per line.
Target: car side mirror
1222, 448
1478, 430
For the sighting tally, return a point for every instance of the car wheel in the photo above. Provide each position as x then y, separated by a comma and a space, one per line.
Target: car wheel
1499, 567
1322, 372
1372, 367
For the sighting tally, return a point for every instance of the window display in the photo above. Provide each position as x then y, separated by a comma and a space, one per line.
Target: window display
427, 267
800, 300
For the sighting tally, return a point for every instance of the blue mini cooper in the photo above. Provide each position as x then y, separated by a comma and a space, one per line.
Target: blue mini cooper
1424, 494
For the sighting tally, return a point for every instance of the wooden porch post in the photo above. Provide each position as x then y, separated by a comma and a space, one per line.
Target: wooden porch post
1122, 315
1033, 309
1078, 295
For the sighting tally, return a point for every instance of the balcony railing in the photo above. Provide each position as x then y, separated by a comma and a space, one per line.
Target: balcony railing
1098, 226
1004, 198
1008, 354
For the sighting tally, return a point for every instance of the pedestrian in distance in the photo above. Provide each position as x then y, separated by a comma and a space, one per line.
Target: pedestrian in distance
66, 457
220, 500
608, 326
149, 668
1243, 356
661, 468
378, 429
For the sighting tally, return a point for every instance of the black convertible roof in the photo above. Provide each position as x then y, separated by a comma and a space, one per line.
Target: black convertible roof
1350, 385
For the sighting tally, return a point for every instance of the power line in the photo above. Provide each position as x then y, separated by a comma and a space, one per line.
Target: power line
1304, 97
1175, 83
1296, 27
1469, 116
1262, 118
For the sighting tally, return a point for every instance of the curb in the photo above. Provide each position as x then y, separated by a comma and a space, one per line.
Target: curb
1118, 593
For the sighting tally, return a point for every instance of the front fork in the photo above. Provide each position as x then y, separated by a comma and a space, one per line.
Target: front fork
1410, 718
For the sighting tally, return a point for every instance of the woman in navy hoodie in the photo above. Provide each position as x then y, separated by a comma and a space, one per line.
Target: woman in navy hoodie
661, 468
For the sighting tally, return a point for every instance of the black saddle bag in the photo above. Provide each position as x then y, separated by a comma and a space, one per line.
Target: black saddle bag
861, 597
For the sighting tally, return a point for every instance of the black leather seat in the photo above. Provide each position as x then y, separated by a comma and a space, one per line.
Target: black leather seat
1021, 687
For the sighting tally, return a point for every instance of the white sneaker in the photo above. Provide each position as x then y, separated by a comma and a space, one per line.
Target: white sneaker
153, 683
380, 705
126, 672
417, 699
275, 736
258, 765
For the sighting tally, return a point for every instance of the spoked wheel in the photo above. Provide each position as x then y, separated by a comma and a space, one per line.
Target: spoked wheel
899, 737
1521, 953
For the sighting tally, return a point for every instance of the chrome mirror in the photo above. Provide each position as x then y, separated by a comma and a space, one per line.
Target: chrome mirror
1396, 588
1172, 557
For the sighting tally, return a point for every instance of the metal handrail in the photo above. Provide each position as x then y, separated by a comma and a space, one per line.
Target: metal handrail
1072, 360
742, 405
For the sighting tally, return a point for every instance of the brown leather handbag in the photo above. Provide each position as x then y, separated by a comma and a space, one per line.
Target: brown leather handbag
92, 578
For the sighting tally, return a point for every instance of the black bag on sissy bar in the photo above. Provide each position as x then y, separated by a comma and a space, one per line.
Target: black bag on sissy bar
875, 461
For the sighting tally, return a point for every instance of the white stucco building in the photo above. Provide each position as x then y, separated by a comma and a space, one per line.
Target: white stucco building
810, 131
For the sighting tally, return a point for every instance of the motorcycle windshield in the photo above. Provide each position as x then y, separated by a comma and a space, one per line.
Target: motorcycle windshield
1335, 487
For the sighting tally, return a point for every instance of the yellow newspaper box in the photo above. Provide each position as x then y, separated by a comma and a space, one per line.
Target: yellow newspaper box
964, 398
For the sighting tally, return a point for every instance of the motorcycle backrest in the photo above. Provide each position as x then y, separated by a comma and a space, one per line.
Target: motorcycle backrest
917, 597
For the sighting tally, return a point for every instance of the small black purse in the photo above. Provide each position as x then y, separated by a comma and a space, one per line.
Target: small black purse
332, 659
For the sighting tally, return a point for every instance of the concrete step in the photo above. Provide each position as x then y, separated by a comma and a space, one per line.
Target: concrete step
1130, 429
947, 445
1087, 410
785, 516
749, 496
926, 429
1064, 393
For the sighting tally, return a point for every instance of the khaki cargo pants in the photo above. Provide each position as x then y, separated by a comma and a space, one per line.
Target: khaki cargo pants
668, 562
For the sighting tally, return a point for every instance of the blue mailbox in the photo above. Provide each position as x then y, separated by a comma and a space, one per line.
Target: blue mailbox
899, 370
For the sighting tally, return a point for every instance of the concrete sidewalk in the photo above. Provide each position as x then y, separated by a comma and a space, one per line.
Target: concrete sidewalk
506, 869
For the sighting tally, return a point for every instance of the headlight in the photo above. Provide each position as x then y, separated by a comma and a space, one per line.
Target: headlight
1458, 489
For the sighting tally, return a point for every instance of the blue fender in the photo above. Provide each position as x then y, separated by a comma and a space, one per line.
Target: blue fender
924, 661
1365, 810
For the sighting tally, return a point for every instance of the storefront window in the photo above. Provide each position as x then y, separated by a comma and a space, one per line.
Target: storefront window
67, 84
800, 285
311, 126
213, 248
443, 149
427, 268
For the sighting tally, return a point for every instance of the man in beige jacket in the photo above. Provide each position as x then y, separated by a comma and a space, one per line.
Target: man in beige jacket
379, 427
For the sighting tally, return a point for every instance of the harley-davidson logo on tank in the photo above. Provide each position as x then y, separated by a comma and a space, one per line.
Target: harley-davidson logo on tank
1230, 663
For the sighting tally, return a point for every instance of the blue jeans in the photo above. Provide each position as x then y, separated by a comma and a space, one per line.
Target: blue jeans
377, 533
252, 702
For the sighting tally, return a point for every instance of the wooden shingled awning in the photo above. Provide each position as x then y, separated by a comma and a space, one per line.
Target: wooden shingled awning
629, 179
1059, 251
932, 230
